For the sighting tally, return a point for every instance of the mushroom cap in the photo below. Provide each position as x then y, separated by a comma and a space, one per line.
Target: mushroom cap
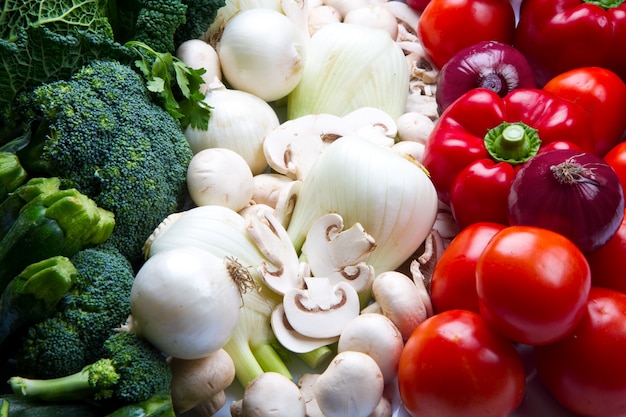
352, 385
273, 395
377, 336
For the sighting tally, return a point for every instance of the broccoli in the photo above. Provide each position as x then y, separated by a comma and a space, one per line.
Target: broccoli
102, 134
34, 294
130, 370
96, 304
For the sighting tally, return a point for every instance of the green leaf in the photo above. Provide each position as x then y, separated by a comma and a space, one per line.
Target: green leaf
156, 85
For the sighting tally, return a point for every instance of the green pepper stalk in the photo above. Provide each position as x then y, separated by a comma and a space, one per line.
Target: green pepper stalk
12, 175
53, 223
33, 294
514, 143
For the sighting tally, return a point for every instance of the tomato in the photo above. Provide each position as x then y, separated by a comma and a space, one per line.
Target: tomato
532, 284
447, 26
454, 364
453, 282
616, 158
586, 370
609, 262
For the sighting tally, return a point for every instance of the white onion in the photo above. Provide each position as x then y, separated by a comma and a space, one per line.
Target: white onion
262, 52
185, 302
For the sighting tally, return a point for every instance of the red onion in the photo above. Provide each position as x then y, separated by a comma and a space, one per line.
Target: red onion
488, 64
570, 192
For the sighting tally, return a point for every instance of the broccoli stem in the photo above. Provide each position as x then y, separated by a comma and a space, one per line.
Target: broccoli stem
93, 381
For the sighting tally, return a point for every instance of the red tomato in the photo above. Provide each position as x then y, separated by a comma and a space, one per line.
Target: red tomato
586, 370
609, 262
616, 158
447, 26
532, 284
454, 364
453, 282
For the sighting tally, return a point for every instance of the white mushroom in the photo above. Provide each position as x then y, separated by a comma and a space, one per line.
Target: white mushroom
399, 298
373, 124
306, 383
220, 176
271, 238
376, 336
272, 395
376, 16
268, 186
196, 381
338, 254
413, 149
351, 386
293, 146
321, 310
290, 338
414, 126
320, 16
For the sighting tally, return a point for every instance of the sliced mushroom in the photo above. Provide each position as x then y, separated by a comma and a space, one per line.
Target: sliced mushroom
290, 338
292, 147
321, 310
286, 202
268, 186
339, 254
271, 238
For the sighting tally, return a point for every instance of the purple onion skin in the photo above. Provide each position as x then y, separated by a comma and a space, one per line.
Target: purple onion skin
571, 192
488, 64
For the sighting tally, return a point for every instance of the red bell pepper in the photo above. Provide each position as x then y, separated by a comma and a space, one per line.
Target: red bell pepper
481, 125
602, 94
559, 35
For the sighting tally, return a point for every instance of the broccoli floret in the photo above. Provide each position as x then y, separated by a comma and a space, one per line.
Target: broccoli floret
101, 132
130, 370
33, 295
97, 304
200, 15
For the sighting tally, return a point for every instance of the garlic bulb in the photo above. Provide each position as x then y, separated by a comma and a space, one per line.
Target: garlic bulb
239, 122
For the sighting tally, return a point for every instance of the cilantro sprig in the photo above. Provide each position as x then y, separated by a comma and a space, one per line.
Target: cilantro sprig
175, 83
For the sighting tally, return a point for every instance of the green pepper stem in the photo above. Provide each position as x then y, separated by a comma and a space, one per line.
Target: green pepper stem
514, 143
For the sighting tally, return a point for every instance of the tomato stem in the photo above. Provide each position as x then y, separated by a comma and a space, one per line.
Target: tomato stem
514, 143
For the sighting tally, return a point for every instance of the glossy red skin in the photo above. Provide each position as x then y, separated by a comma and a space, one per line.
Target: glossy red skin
480, 192
532, 284
418, 5
609, 262
616, 158
602, 93
457, 139
559, 35
454, 365
585, 371
453, 282
447, 26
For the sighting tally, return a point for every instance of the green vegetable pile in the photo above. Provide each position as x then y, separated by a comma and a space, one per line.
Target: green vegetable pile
93, 105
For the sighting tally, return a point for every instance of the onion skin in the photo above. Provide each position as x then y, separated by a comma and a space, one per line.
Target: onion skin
488, 64
571, 192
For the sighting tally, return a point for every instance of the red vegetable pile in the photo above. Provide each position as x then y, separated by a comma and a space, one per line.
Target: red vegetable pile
529, 155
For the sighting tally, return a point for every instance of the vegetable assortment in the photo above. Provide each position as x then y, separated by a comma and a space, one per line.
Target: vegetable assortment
423, 198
